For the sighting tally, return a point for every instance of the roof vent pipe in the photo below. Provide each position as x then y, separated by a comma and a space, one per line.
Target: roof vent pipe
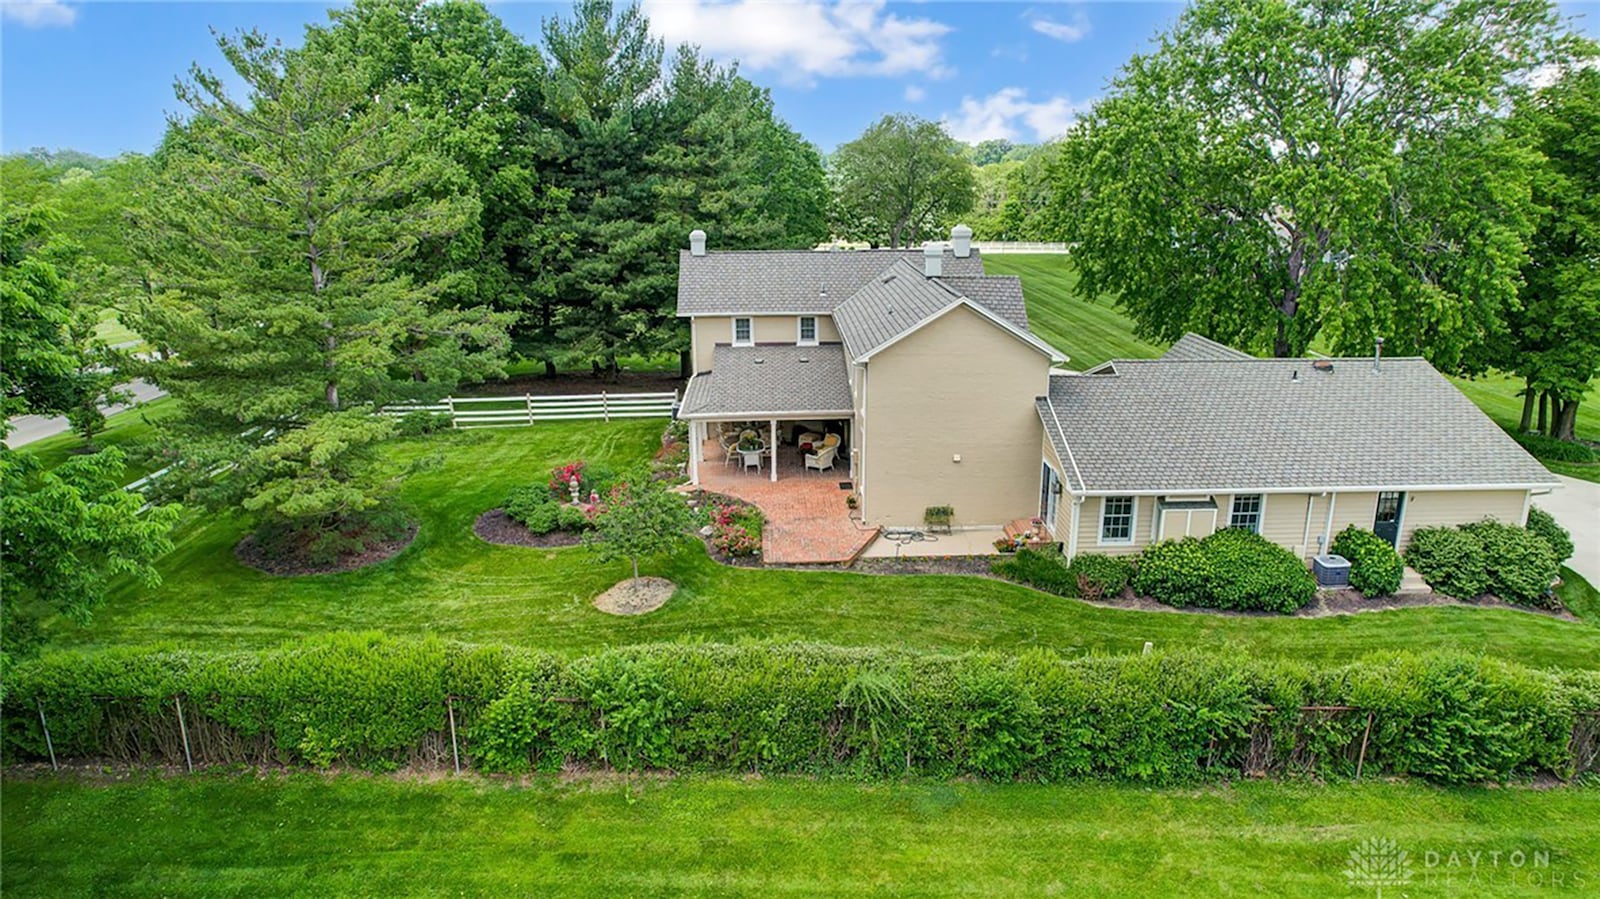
697, 242
961, 241
932, 260
1377, 354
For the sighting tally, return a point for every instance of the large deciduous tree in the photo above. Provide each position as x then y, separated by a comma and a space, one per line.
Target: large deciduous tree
1281, 169
899, 182
283, 234
64, 532
1555, 336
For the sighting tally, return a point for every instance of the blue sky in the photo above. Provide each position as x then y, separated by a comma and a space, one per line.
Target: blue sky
97, 76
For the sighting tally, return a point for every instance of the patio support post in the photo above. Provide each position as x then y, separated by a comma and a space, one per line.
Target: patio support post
697, 446
772, 460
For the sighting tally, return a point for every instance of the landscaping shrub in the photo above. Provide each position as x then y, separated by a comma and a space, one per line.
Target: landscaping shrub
1375, 568
735, 528
1518, 563
1044, 570
535, 510
1545, 525
1230, 569
1097, 576
420, 422
1545, 447
1449, 560
868, 713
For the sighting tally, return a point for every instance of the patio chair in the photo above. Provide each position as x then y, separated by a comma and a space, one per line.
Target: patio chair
822, 460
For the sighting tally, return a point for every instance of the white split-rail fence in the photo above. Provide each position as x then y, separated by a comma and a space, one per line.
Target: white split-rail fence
512, 411
993, 247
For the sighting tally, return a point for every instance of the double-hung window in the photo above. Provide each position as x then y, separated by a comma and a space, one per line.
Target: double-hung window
1116, 519
808, 330
743, 332
1246, 512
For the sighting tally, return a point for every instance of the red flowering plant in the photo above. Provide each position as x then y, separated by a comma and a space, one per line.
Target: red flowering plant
736, 530
561, 478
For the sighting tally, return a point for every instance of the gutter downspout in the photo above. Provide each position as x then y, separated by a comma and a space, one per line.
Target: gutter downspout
1072, 535
1327, 532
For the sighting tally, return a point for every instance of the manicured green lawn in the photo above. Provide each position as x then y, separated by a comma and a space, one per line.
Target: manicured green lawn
125, 429
1088, 332
308, 835
452, 584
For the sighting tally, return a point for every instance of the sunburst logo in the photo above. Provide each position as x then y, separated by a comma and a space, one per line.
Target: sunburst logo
1379, 864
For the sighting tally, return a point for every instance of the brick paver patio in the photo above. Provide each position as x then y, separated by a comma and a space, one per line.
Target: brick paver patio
808, 522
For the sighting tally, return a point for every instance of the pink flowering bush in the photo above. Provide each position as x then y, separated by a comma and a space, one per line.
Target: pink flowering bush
736, 530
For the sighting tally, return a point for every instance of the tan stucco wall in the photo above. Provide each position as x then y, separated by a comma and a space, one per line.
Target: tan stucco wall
710, 330
960, 385
1284, 522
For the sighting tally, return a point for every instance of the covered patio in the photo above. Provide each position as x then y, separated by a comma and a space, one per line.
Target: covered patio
771, 425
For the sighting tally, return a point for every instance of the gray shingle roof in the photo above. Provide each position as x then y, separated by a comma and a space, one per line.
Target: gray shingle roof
1192, 347
890, 304
767, 380
1222, 425
790, 281
1000, 294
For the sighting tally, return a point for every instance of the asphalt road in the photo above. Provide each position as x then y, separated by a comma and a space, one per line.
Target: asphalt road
1577, 506
25, 429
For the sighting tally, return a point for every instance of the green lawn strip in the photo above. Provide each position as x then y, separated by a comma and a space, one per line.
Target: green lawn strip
1496, 394
111, 329
452, 584
1088, 332
312, 835
1579, 596
125, 429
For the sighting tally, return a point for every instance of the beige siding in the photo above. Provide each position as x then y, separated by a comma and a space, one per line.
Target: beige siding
1284, 518
959, 385
1144, 517
1460, 507
1061, 528
710, 330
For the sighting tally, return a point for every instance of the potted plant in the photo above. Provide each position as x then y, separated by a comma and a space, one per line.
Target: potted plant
938, 518
851, 502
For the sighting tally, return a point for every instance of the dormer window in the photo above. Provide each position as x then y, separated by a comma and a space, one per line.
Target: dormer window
743, 333
808, 330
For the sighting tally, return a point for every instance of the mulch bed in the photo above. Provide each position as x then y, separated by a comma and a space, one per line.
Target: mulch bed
495, 526
1327, 604
636, 596
705, 498
249, 552
927, 565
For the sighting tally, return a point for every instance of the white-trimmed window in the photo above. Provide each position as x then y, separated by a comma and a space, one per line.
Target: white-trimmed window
1246, 512
808, 331
744, 333
1116, 519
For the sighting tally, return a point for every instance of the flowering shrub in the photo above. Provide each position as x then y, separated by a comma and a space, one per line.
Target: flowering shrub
736, 530
561, 478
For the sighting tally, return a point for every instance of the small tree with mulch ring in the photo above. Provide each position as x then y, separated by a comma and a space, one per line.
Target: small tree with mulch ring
641, 518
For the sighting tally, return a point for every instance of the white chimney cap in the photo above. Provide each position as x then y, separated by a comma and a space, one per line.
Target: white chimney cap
961, 241
697, 242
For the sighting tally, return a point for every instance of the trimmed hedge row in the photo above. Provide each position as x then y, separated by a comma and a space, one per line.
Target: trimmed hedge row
806, 709
1230, 569
1515, 564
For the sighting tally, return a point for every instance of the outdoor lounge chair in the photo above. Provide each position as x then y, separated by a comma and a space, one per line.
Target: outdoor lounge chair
822, 460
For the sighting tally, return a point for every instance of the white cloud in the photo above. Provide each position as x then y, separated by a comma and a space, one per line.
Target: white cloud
38, 13
1005, 113
806, 39
1069, 32
915, 94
